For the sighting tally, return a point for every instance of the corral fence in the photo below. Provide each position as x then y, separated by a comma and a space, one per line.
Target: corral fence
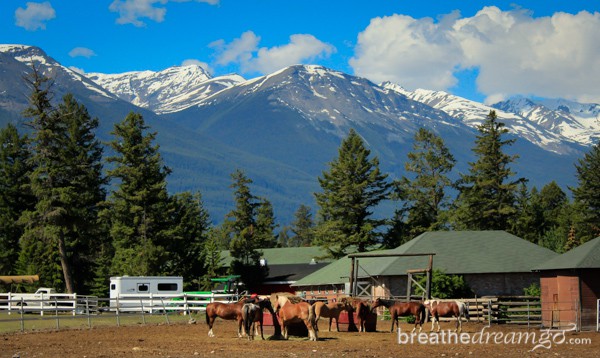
92, 308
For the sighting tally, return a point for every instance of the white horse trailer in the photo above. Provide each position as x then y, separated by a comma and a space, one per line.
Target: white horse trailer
143, 293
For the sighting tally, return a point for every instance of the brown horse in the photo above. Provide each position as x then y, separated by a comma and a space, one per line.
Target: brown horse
252, 313
229, 311
330, 310
362, 309
402, 309
295, 312
453, 308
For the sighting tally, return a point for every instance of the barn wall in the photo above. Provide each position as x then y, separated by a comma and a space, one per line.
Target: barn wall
560, 298
590, 293
500, 284
549, 288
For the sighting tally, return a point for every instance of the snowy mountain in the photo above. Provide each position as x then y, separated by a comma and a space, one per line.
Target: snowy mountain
473, 113
576, 121
166, 91
284, 128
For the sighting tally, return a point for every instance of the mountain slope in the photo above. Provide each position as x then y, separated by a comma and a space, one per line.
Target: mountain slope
166, 91
576, 121
284, 128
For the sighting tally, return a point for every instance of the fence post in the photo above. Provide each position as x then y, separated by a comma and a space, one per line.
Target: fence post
143, 315
489, 313
55, 312
87, 310
117, 308
165, 310
22, 317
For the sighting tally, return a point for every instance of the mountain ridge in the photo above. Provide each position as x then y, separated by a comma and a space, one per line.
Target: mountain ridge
284, 128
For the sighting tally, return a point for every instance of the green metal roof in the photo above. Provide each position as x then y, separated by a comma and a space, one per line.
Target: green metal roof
286, 255
456, 252
584, 256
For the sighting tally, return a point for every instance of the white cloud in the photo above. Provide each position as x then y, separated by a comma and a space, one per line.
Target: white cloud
237, 51
302, 48
245, 52
515, 53
130, 11
192, 61
34, 16
81, 52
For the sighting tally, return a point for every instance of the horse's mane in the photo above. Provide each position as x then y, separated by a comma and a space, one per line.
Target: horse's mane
387, 302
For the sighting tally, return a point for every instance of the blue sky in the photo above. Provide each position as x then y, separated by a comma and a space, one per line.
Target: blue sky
481, 50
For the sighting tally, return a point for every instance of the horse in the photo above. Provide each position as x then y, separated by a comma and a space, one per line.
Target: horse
228, 311
402, 309
252, 313
362, 309
294, 312
330, 310
455, 308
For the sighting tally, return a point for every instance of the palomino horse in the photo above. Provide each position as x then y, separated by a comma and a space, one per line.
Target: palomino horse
330, 310
402, 309
252, 313
439, 308
229, 311
296, 312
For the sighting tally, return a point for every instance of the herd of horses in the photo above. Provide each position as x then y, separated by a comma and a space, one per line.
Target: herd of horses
249, 315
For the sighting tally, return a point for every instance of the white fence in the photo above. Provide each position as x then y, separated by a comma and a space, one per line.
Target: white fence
150, 303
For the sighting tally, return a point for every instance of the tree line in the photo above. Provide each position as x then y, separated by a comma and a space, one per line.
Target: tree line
76, 216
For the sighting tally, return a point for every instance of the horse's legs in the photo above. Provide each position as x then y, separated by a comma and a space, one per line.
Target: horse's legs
211, 321
394, 321
241, 329
285, 330
330, 322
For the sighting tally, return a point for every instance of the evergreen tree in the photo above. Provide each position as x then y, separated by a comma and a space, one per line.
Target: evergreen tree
139, 209
352, 188
66, 182
587, 194
283, 237
487, 198
212, 259
425, 196
303, 227
187, 239
15, 196
241, 226
265, 224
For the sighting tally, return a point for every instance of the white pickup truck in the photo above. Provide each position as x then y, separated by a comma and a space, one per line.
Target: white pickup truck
44, 297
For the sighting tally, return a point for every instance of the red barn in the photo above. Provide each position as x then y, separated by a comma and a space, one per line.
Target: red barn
570, 288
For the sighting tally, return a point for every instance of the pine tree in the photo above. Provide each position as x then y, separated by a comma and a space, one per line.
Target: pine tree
139, 209
212, 259
587, 194
15, 195
303, 227
425, 195
241, 226
66, 182
265, 224
190, 224
351, 189
487, 199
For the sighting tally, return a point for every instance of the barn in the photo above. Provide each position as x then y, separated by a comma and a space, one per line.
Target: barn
491, 262
571, 288
286, 266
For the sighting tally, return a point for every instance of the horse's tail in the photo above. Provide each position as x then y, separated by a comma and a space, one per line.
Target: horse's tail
206, 315
466, 306
422, 313
311, 315
247, 318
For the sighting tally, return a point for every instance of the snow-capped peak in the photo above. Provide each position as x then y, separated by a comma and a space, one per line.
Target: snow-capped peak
166, 91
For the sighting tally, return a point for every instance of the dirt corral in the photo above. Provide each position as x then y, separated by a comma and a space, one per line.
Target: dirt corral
185, 340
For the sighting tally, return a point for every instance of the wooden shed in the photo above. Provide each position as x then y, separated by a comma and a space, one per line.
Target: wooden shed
570, 285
